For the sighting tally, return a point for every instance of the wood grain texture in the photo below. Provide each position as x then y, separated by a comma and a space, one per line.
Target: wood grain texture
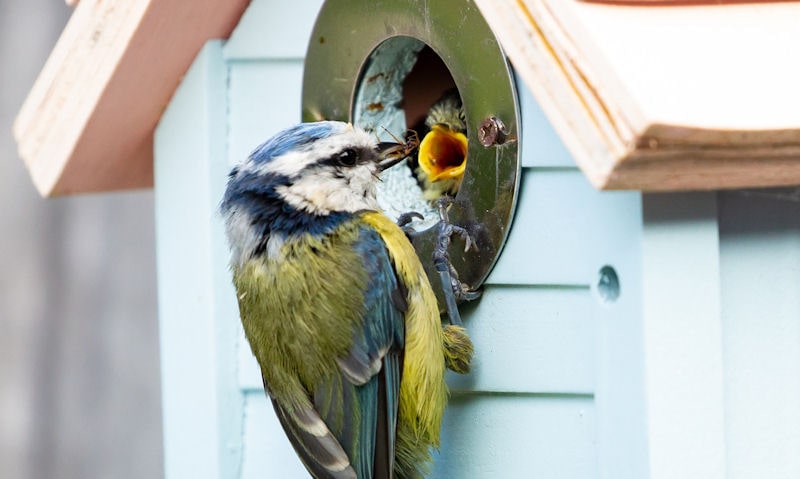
88, 122
663, 98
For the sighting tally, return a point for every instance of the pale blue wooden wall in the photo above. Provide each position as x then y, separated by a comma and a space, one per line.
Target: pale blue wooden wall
667, 380
760, 271
198, 314
721, 323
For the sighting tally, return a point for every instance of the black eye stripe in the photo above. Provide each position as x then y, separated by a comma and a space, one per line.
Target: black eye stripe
346, 158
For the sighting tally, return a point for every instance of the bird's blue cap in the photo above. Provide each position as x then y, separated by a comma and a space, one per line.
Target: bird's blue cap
297, 137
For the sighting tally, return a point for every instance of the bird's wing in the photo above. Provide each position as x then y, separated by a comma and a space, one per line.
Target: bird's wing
359, 404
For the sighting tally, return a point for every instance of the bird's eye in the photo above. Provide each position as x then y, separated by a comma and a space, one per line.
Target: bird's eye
348, 157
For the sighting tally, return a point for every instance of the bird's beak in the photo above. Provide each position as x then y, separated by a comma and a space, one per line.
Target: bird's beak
443, 153
390, 154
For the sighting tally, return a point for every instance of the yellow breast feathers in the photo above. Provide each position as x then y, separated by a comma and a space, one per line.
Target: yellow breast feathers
423, 392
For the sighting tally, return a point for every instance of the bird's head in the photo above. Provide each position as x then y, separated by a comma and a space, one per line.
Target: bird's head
315, 168
302, 180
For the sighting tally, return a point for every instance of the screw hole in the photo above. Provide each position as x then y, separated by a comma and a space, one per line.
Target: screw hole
608, 284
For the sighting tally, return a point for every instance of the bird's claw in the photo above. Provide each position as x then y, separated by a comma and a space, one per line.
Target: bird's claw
463, 233
405, 219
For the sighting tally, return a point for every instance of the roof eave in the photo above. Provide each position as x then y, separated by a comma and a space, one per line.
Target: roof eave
88, 121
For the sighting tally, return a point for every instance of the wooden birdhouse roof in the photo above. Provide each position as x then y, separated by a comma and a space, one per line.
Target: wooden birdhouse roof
649, 95
664, 95
87, 124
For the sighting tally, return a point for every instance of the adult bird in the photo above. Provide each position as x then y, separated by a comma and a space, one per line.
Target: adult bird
336, 306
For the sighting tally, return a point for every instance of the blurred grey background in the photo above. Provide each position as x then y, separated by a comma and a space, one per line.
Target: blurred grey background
79, 380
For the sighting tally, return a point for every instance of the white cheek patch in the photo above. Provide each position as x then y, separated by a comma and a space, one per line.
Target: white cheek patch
323, 193
289, 164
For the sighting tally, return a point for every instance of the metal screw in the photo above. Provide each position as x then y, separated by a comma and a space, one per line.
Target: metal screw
492, 132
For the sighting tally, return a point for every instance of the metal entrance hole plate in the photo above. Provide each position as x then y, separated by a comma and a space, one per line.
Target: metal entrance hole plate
361, 60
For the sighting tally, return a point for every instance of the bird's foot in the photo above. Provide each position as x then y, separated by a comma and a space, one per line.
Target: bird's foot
454, 290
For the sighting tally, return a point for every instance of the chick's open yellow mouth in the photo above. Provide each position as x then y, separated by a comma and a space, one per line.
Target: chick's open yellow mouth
443, 153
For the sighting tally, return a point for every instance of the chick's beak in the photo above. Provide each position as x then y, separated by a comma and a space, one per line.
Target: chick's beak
390, 154
443, 153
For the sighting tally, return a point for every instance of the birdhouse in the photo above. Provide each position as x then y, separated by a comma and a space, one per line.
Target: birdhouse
639, 313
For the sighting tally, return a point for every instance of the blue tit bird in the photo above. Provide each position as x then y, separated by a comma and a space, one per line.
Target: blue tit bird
336, 306
442, 155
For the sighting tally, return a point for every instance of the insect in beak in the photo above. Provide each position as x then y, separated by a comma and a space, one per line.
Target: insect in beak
392, 153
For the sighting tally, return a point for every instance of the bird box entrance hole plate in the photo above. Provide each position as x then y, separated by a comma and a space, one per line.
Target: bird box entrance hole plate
382, 66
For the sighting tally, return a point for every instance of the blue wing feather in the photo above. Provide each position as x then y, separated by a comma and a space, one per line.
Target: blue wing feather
345, 428
363, 401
